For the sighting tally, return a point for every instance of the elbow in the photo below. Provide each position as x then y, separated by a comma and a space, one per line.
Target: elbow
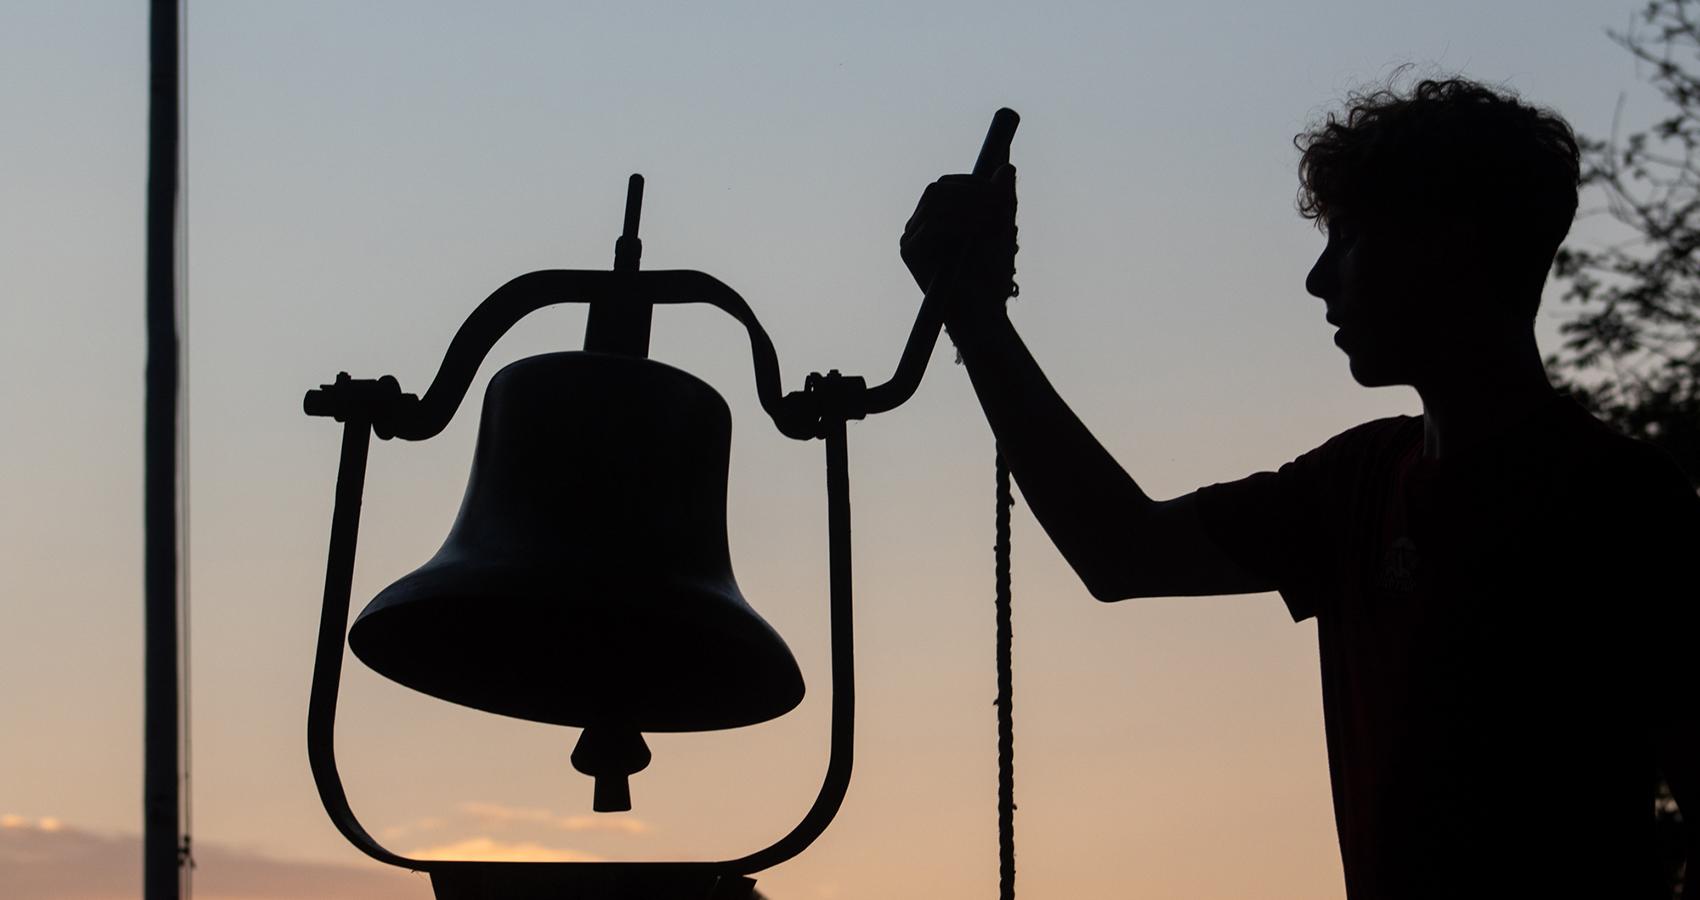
1105, 586
1110, 557
1106, 574
1104, 594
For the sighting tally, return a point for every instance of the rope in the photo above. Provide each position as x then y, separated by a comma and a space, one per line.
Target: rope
1006, 692
186, 852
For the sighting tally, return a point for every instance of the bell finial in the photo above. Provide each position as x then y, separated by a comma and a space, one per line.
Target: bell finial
622, 326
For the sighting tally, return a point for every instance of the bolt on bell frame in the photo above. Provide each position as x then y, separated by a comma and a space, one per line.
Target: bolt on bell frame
617, 332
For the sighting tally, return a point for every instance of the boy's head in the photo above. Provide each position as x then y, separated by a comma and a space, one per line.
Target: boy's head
1449, 159
1444, 206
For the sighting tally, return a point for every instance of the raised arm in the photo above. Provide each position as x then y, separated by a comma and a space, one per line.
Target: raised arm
1118, 540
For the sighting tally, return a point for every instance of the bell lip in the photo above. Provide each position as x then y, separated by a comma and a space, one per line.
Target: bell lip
752, 661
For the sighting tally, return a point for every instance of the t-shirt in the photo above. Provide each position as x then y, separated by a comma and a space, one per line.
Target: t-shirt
1499, 633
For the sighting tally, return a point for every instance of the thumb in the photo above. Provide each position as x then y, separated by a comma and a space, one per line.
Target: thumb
1005, 174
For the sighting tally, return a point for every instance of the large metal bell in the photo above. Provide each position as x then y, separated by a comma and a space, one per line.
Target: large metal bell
586, 580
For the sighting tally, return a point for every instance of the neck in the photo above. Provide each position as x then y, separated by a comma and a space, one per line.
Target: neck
1481, 395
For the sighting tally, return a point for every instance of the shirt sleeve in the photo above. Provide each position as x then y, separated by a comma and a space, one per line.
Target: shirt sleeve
1286, 525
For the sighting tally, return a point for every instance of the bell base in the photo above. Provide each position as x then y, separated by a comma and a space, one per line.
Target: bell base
586, 881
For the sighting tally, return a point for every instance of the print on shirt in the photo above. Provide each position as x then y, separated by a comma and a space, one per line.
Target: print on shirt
1399, 566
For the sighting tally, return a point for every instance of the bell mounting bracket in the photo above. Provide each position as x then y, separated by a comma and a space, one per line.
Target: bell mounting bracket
621, 306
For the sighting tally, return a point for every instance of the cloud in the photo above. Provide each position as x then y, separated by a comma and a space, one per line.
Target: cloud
431, 823
46, 823
497, 815
44, 859
485, 848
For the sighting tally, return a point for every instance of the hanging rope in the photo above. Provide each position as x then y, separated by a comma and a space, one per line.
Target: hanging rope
1006, 692
185, 848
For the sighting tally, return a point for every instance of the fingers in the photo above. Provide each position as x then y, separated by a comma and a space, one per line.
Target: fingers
958, 214
967, 204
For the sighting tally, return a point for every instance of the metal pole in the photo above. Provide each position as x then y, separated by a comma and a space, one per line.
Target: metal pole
161, 797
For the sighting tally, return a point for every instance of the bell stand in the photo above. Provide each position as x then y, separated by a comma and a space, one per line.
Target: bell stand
621, 302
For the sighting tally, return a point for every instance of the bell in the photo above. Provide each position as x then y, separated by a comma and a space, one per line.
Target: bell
586, 580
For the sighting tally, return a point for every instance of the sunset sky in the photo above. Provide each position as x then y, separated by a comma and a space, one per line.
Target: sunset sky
360, 176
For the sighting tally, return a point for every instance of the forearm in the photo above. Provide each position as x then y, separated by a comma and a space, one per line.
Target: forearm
1087, 503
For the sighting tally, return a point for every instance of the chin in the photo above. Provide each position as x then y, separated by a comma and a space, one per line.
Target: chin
1369, 373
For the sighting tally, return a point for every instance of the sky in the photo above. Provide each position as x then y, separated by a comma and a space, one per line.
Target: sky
360, 176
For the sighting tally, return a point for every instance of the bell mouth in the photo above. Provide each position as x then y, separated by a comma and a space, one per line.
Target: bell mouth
663, 656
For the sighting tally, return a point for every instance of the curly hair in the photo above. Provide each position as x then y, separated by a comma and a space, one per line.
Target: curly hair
1447, 151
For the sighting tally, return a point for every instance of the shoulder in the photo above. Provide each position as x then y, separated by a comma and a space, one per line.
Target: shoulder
1321, 472
1628, 497
1362, 449
1377, 431
1614, 468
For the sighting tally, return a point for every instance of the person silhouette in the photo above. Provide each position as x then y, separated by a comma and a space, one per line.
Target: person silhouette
1502, 586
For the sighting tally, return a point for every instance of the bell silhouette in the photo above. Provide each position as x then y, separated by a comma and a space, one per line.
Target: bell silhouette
586, 580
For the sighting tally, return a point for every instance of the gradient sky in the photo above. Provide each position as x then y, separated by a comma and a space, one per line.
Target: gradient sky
361, 175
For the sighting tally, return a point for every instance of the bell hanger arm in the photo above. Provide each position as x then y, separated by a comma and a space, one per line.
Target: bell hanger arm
418, 418
327, 666
801, 415
841, 753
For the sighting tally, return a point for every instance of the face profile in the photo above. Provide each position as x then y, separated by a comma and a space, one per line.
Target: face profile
1410, 187
1383, 294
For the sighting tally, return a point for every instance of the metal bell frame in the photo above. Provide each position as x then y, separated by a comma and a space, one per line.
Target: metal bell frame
820, 410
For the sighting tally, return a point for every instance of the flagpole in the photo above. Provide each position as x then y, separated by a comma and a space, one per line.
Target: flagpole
161, 796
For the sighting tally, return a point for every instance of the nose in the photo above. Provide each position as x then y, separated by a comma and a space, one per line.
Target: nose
1324, 279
